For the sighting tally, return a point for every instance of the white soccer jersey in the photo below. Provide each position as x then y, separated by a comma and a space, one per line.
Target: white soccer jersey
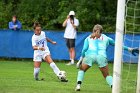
40, 41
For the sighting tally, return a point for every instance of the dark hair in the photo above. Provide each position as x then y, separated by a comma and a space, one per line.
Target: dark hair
72, 17
98, 27
14, 16
36, 24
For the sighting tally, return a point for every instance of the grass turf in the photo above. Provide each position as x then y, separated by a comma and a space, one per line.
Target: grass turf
17, 77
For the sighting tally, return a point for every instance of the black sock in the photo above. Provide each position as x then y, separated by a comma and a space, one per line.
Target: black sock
79, 82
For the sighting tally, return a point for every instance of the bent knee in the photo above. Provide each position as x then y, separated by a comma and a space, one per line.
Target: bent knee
84, 67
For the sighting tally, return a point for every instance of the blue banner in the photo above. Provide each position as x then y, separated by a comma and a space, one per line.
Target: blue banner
17, 44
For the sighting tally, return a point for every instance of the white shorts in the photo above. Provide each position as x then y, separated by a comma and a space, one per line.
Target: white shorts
39, 56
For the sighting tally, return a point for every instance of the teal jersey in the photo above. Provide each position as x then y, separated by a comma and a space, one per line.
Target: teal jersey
97, 46
89, 47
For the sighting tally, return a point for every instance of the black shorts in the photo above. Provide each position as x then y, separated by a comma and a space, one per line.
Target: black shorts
70, 43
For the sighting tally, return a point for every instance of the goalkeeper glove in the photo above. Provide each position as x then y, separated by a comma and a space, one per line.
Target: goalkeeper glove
134, 51
79, 62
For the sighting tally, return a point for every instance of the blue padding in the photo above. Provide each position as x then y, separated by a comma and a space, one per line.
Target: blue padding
17, 44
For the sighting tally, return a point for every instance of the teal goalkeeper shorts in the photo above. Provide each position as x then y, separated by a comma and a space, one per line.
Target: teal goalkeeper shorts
99, 59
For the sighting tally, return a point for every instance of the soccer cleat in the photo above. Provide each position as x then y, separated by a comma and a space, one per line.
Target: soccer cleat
37, 79
77, 87
68, 64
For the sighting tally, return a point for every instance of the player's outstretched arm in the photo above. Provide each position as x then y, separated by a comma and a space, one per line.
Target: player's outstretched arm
134, 51
49, 40
111, 41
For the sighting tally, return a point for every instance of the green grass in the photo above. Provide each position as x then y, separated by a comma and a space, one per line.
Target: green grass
17, 77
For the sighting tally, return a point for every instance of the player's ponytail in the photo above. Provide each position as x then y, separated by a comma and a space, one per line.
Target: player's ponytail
36, 24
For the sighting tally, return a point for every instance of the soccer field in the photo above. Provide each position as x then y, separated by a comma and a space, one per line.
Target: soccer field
17, 77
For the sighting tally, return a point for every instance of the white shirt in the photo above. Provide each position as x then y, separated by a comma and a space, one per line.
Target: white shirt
40, 41
70, 32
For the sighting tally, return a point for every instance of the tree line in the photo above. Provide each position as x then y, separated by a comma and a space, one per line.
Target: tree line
52, 13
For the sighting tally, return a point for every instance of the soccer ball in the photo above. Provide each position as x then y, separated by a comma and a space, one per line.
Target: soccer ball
62, 75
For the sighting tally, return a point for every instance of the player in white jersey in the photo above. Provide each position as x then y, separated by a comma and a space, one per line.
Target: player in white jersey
41, 51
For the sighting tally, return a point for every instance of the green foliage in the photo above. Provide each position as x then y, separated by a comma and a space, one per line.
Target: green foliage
52, 13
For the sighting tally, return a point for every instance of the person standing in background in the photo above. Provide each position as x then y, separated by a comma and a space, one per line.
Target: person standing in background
71, 24
14, 24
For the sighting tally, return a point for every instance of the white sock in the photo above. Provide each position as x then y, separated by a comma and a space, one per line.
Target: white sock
72, 61
55, 68
36, 72
78, 84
